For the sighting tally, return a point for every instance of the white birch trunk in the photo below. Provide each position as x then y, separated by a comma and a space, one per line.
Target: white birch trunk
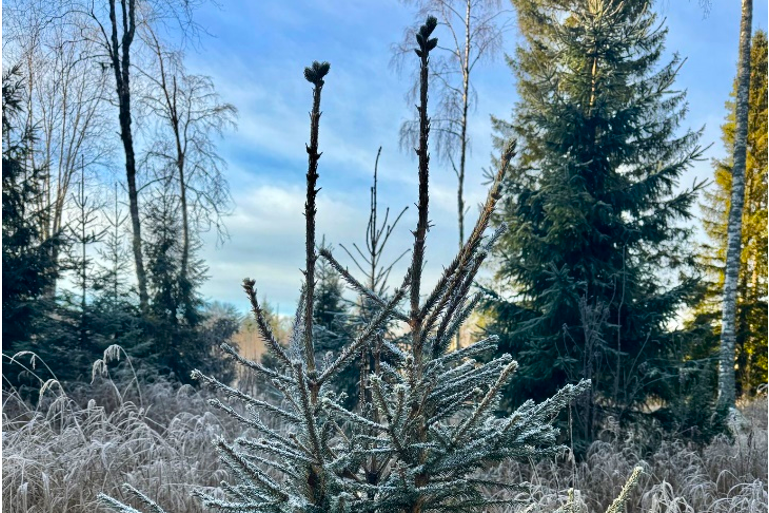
726, 380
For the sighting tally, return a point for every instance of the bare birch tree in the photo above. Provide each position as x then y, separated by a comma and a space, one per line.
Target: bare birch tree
116, 23
116, 36
65, 94
475, 32
191, 116
726, 382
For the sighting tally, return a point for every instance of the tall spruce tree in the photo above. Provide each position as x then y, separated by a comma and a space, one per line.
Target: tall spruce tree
595, 260
751, 316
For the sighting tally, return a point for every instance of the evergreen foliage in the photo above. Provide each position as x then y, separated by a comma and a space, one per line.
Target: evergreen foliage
175, 321
97, 310
74, 331
333, 328
61, 301
429, 419
28, 267
595, 264
372, 288
751, 335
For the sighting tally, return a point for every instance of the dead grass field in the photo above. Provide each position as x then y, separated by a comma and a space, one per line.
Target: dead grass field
76, 444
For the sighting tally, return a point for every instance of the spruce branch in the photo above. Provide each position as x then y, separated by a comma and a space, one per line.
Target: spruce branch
119, 507
492, 393
115, 505
618, 505
481, 347
288, 452
454, 272
307, 410
255, 366
351, 416
236, 460
234, 392
450, 321
359, 287
443, 339
349, 352
264, 328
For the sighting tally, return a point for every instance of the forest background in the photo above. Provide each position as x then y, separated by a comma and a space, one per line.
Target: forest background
239, 213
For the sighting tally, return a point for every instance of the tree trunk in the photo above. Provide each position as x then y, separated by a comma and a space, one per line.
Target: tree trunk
121, 63
184, 271
84, 257
463, 141
133, 195
463, 145
726, 381
181, 152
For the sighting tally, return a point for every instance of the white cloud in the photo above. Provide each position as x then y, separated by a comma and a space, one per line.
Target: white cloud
267, 241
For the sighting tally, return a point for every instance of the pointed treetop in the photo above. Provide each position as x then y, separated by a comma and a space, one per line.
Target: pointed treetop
316, 72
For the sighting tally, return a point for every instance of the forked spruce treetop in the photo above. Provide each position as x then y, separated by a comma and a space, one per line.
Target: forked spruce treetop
426, 419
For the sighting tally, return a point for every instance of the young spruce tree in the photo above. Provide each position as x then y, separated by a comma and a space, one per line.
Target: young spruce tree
431, 422
175, 320
595, 258
119, 320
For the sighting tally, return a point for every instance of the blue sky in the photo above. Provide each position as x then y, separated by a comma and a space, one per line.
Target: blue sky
256, 52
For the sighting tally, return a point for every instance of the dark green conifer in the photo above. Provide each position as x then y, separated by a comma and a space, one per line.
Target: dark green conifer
595, 262
28, 268
176, 323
